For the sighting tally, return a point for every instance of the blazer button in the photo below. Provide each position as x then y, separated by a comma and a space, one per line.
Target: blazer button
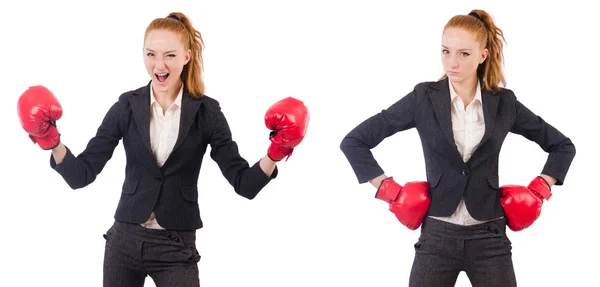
464, 172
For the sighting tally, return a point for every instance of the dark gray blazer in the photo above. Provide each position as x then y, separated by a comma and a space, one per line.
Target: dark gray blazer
427, 108
171, 190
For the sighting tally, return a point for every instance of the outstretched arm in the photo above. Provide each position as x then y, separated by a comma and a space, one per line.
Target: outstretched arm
246, 180
81, 170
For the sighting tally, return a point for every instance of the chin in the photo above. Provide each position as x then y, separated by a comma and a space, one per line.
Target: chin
454, 78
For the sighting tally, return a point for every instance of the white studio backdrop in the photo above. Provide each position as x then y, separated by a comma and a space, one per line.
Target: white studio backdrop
314, 225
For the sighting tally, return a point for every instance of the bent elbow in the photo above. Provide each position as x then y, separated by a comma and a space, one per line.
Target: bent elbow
79, 181
249, 197
342, 145
345, 144
569, 148
77, 185
247, 194
573, 150
351, 145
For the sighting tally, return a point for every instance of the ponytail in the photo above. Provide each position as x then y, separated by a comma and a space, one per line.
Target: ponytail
192, 39
479, 22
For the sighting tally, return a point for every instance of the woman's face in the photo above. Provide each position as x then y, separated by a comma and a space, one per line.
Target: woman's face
461, 54
164, 58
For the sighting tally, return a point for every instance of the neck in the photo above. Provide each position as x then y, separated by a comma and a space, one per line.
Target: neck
466, 89
166, 95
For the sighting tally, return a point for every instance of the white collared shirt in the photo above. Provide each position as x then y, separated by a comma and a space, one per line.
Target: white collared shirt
164, 129
468, 127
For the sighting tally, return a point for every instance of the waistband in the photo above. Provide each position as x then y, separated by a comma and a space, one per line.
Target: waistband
495, 228
156, 235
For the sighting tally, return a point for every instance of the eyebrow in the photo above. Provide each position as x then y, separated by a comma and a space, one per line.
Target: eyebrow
170, 51
458, 49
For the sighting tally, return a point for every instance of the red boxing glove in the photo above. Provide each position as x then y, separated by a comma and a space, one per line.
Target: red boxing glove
288, 121
38, 111
523, 205
409, 203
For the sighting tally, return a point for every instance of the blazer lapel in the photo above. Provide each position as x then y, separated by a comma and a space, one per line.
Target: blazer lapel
490, 108
140, 105
189, 108
440, 97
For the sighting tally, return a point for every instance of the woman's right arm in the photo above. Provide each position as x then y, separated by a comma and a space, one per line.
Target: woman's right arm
357, 144
79, 171
376, 182
59, 152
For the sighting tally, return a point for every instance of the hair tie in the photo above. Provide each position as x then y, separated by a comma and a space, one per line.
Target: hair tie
174, 17
474, 14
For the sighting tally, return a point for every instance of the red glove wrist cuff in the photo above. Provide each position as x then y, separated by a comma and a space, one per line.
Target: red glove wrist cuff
388, 190
277, 153
540, 186
49, 141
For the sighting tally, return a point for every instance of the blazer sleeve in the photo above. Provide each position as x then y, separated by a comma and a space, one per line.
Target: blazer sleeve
560, 149
247, 181
79, 171
357, 144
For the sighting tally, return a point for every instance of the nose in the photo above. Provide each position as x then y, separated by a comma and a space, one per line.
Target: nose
159, 63
453, 62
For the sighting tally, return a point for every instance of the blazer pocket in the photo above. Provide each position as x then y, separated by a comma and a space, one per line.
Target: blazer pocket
493, 181
433, 178
190, 193
130, 186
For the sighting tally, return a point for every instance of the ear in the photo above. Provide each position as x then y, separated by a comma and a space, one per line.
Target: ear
483, 56
188, 56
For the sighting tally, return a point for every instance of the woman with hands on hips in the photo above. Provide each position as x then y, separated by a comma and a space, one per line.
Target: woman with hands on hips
166, 127
462, 120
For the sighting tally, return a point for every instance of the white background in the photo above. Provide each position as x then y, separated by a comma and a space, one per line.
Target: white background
314, 225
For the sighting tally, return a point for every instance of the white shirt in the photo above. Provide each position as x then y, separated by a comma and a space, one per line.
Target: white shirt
164, 129
468, 127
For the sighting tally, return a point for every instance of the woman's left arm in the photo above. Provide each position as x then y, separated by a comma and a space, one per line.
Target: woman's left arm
246, 180
550, 180
267, 165
560, 148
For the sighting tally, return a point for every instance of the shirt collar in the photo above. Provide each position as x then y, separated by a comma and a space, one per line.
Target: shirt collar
453, 93
177, 101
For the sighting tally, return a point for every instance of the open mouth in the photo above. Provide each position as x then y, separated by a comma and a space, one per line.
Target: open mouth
162, 77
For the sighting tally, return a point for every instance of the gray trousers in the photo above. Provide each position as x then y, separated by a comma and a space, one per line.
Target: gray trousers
482, 251
133, 252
